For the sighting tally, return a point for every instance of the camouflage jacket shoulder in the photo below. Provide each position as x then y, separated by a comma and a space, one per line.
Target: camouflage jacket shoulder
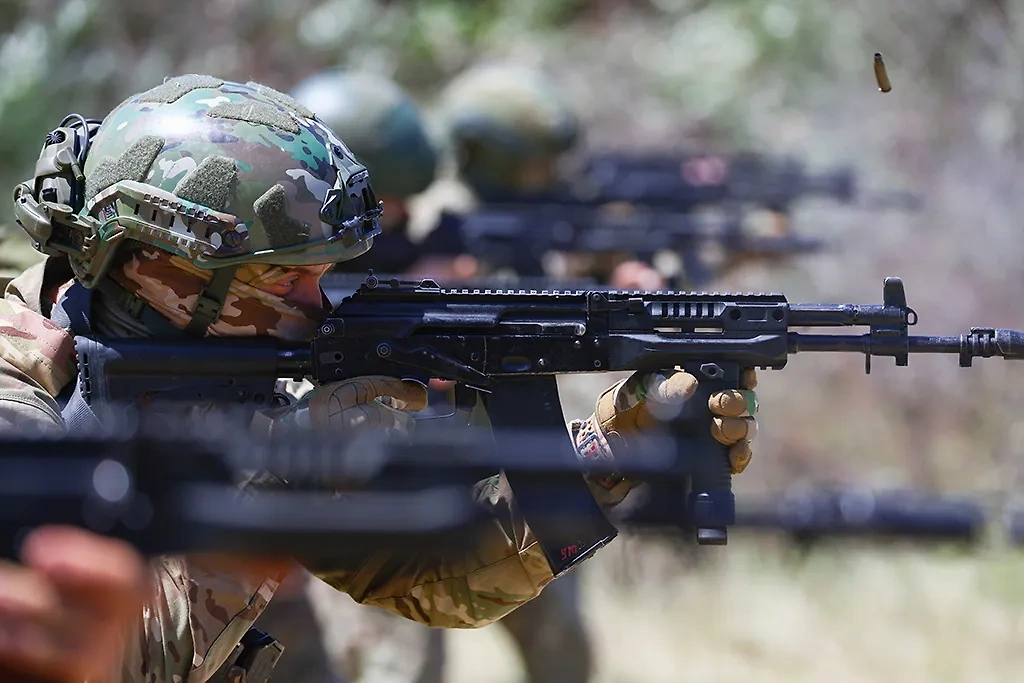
38, 356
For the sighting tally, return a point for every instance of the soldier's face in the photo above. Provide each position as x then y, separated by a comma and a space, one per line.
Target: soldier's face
299, 285
536, 174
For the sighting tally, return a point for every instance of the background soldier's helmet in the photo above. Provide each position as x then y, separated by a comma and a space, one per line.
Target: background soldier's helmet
218, 173
498, 116
380, 123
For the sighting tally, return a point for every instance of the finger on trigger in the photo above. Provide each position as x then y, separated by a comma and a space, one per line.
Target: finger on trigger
408, 393
729, 430
733, 403
740, 456
748, 379
664, 396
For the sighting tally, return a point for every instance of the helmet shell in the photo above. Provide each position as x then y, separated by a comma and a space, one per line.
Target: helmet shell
225, 173
381, 124
505, 114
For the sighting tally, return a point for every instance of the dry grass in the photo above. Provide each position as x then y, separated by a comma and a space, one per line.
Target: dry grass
859, 614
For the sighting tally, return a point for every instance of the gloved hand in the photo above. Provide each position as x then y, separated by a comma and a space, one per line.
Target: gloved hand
356, 406
642, 402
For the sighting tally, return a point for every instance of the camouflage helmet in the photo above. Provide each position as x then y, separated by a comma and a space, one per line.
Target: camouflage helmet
496, 116
380, 123
218, 173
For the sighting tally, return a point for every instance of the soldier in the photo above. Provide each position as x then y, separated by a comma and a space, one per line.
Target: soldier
385, 130
212, 208
509, 128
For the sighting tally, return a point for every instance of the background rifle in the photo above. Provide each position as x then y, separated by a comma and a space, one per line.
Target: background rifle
686, 181
518, 235
643, 204
504, 350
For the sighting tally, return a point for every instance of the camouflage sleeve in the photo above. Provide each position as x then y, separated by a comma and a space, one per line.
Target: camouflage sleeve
192, 623
506, 569
37, 361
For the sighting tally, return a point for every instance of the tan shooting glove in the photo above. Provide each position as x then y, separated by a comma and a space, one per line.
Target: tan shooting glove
642, 402
362, 404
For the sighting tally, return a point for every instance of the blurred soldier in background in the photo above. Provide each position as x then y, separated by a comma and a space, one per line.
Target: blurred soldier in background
509, 130
385, 129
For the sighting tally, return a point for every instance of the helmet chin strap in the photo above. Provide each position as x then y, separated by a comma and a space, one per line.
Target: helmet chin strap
211, 301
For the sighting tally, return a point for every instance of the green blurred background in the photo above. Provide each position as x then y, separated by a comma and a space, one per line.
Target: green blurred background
790, 76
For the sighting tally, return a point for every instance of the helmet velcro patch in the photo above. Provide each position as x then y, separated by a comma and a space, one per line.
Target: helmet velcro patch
281, 229
257, 113
133, 164
282, 99
172, 90
211, 184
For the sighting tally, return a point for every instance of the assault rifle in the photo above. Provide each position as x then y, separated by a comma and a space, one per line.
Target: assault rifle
645, 204
169, 494
809, 515
504, 350
518, 235
685, 181
166, 493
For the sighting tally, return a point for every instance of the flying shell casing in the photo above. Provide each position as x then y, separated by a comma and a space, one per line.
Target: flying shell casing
881, 75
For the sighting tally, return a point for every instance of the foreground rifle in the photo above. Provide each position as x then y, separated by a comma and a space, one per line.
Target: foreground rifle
809, 515
169, 494
506, 348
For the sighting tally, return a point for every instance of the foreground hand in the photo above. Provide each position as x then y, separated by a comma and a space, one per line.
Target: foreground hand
643, 402
63, 614
362, 404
